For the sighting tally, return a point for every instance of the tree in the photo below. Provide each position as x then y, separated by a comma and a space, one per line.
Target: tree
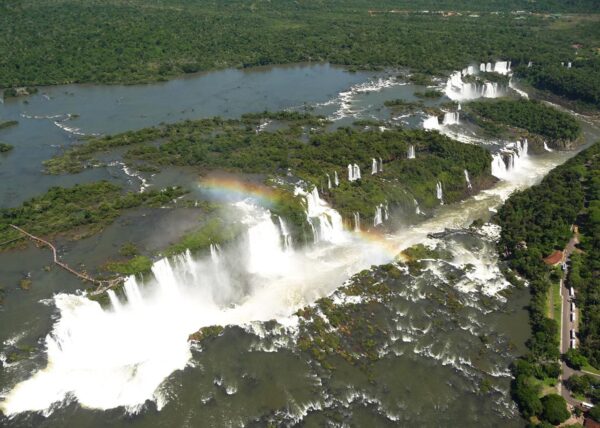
555, 409
595, 413
526, 396
574, 359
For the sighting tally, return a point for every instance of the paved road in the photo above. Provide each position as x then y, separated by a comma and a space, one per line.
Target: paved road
567, 325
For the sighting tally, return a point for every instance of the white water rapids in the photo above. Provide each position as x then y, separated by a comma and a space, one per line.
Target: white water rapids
106, 358
120, 356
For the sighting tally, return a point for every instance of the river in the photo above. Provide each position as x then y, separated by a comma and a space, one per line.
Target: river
131, 364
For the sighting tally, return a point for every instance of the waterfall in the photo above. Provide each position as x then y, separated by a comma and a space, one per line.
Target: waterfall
285, 235
431, 122
215, 251
336, 180
490, 90
417, 209
266, 251
353, 172
502, 67
411, 152
439, 192
378, 218
386, 212
458, 90
451, 118
356, 172
328, 181
469, 186
114, 300
376, 166
356, 222
325, 222
548, 149
529, 64
509, 159
569, 64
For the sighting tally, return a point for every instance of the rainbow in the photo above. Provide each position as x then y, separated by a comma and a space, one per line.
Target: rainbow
231, 188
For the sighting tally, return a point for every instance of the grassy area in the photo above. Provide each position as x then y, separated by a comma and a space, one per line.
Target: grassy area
590, 369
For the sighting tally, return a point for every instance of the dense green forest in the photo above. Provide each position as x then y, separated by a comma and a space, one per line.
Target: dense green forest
80, 210
532, 116
309, 153
534, 223
50, 42
581, 82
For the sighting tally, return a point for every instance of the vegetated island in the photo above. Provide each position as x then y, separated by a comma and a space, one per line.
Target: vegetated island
534, 120
536, 223
301, 146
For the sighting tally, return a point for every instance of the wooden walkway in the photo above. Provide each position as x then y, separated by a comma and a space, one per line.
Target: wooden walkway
102, 285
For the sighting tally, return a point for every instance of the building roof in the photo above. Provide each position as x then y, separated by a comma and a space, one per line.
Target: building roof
590, 423
554, 258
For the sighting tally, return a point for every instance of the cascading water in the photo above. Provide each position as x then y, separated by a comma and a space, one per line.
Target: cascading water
411, 151
469, 186
373, 166
509, 159
380, 165
326, 223
353, 172
336, 180
439, 192
417, 209
451, 118
357, 222
356, 172
328, 181
431, 123
457, 89
548, 149
285, 235
378, 218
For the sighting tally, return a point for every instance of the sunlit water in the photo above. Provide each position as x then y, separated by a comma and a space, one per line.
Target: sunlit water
127, 354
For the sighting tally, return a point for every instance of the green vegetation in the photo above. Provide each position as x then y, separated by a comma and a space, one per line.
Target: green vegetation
8, 124
49, 42
574, 359
555, 409
235, 145
580, 83
534, 223
595, 413
19, 92
25, 283
430, 93
134, 266
5, 147
532, 116
128, 249
585, 386
80, 211
214, 231
206, 333
401, 104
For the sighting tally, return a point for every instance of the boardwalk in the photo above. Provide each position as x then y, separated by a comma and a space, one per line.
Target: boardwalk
103, 285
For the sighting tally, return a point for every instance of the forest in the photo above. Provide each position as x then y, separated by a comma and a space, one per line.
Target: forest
79, 211
534, 223
73, 41
580, 82
532, 116
309, 153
